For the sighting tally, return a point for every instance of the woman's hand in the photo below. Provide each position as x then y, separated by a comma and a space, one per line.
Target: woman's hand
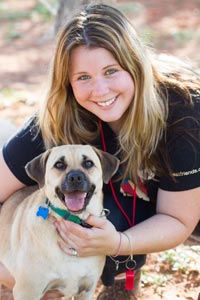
101, 239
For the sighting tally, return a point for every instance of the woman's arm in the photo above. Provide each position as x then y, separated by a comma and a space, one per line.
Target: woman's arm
8, 182
26, 144
177, 215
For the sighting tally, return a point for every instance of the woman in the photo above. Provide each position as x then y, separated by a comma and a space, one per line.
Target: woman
106, 89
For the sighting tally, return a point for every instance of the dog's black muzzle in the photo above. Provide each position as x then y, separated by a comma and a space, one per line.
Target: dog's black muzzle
75, 191
75, 180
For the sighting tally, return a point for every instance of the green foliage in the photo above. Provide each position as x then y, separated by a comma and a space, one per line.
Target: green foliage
179, 260
7, 14
130, 7
9, 96
11, 17
13, 32
182, 36
158, 280
42, 11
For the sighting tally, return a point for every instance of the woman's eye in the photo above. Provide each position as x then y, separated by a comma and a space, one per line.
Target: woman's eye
60, 165
111, 71
87, 164
84, 77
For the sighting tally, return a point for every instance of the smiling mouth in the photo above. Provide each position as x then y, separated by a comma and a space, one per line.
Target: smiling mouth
76, 201
107, 103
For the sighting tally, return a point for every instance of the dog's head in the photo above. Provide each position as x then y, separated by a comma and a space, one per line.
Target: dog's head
72, 176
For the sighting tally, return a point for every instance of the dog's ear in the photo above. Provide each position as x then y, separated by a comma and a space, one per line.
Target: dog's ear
109, 164
37, 166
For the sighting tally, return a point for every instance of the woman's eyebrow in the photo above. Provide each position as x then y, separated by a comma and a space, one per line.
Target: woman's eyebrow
104, 68
79, 73
111, 66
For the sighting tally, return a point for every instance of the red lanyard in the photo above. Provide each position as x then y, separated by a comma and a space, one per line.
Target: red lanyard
130, 222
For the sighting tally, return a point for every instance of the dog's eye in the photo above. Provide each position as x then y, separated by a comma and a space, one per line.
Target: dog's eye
60, 165
87, 164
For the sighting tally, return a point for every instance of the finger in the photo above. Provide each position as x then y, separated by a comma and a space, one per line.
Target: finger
64, 234
96, 222
69, 227
68, 250
72, 235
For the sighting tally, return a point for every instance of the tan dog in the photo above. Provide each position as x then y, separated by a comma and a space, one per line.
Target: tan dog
70, 179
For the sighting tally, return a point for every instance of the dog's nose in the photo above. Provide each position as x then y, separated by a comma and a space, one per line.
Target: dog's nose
74, 177
75, 180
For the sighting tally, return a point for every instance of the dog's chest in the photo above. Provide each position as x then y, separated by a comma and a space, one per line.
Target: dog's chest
79, 266
75, 274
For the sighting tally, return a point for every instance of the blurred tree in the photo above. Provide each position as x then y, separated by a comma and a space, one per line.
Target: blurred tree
65, 8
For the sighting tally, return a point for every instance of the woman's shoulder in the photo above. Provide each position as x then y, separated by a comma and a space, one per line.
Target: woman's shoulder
178, 96
183, 104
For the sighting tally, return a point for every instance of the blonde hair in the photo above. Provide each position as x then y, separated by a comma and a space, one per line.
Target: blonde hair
63, 121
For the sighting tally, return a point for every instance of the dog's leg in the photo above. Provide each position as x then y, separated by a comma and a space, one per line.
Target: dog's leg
85, 295
26, 291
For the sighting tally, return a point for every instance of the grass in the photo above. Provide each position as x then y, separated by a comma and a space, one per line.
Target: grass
158, 280
130, 8
9, 96
39, 9
12, 18
181, 260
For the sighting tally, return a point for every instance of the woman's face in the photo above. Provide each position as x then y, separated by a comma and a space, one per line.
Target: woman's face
99, 84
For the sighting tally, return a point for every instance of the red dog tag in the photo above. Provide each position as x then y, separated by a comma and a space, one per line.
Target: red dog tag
130, 280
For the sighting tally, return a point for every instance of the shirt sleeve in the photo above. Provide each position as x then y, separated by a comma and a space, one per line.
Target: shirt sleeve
183, 148
26, 144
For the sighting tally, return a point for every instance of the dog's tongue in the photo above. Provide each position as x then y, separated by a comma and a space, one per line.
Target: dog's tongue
75, 201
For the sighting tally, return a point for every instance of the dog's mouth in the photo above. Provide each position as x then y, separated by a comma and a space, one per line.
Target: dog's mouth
76, 201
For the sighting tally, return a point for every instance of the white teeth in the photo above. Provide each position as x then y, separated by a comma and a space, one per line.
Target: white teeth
106, 103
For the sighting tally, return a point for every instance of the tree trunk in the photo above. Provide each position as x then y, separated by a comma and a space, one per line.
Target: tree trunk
65, 9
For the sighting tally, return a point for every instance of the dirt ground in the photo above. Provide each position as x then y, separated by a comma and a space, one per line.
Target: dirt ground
26, 46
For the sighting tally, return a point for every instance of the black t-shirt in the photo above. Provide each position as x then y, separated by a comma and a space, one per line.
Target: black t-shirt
182, 149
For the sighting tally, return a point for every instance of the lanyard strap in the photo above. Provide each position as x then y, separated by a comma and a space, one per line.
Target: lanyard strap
130, 222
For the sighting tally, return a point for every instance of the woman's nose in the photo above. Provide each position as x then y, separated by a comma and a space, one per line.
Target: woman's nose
100, 87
